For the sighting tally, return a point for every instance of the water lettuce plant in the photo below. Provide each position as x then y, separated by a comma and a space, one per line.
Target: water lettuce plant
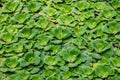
33, 6
99, 45
11, 5
59, 39
11, 62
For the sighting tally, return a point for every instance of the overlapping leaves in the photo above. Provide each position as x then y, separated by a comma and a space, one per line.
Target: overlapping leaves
59, 40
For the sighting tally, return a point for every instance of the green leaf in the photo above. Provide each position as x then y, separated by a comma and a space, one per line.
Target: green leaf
92, 23
24, 75
8, 49
73, 64
18, 47
65, 8
12, 29
108, 53
12, 5
7, 37
116, 51
35, 77
108, 13
115, 78
116, 61
105, 60
30, 57
115, 4
11, 62
82, 5
4, 69
35, 70
99, 45
80, 30
42, 23
42, 40
64, 68
81, 17
80, 42
52, 78
57, 1
29, 44
36, 60
61, 33
21, 17
50, 11
34, 6
47, 48
85, 70
113, 27
117, 37
23, 62
3, 17
83, 78
65, 19
96, 56
103, 71
31, 23
67, 57
57, 41
0, 45
51, 60
48, 72
55, 49
66, 75
34, 32
100, 5
70, 54
26, 32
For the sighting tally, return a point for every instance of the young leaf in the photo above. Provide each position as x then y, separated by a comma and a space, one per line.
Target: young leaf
66, 75
18, 47
50, 11
21, 17
42, 40
34, 6
30, 57
85, 70
82, 5
3, 17
23, 62
61, 33
11, 62
108, 13
26, 32
100, 5
51, 60
116, 61
12, 5
79, 31
99, 45
70, 54
92, 23
113, 27
7, 37
42, 23
12, 29
103, 71
34, 32
65, 19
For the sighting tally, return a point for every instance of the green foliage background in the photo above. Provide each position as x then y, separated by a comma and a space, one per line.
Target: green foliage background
59, 40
